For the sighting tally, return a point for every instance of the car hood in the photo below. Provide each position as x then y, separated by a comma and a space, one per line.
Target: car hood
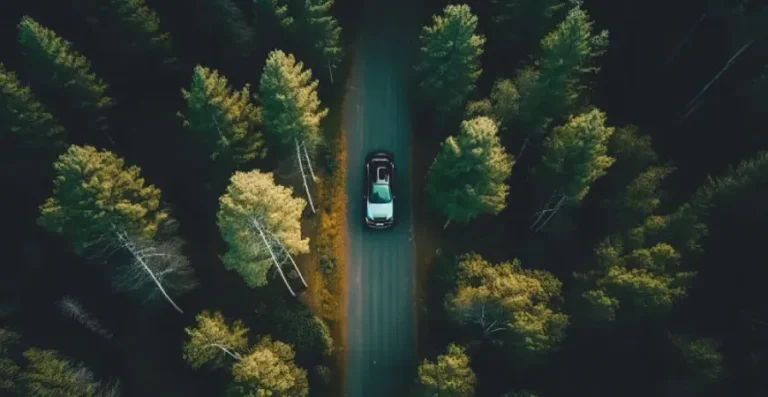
380, 210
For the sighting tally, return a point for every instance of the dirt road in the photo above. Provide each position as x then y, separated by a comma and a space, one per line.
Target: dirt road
380, 311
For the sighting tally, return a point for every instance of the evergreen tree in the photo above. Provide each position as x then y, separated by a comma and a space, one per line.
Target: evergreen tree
575, 155
26, 124
64, 72
94, 195
49, 375
289, 97
319, 27
142, 25
468, 175
9, 370
642, 196
553, 88
257, 218
230, 19
502, 105
517, 22
633, 153
225, 121
698, 367
450, 57
516, 307
213, 341
450, 376
306, 332
269, 370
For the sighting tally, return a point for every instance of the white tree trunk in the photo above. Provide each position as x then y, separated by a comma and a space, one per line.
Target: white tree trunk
304, 176
225, 349
522, 149
309, 161
686, 38
290, 257
551, 213
445, 225
138, 257
330, 72
272, 254
720, 73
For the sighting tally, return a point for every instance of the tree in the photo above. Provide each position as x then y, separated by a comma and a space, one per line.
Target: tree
575, 155
226, 122
261, 224
306, 332
468, 175
699, 366
642, 196
26, 123
450, 57
143, 26
9, 370
551, 89
231, 20
213, 341
519, 307
63, 71
95, 195
153, 267
292, 112
518, 22
70, 307
48, 374
269, 370
450, 376
646, 280
632, 150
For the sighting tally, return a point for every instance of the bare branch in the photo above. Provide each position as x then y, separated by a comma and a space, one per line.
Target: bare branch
304, 176
71, 307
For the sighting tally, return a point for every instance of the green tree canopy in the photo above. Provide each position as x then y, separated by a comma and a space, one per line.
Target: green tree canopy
318, 26
306, 332
63, 71
575, 155
95, 194
9, 370
48, 374
143, 27
553, 87
501, 106
213, 341
518, 307
269, 370
230, 20
698, 366
225, 121
289, 98
25, 122
450, 57
450, 376
632, 150
254, 197
642, 196
468, 175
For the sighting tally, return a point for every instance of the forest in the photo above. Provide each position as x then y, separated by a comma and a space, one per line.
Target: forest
590, 197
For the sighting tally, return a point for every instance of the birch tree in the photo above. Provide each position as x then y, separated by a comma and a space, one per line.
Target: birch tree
70, 307
575, 155
449, 63
226, 122
26, 125
468, 176
292, 111
213, 341
61, 72
94, 195
516, 307
260, 222
449, 376
269, 369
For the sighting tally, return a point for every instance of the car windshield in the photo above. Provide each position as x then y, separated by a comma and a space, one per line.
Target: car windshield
380, 194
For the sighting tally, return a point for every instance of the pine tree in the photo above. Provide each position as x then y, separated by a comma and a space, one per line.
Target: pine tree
9, 370
468, 175
642, 196
64, 72
26, 124
143, 27
633, 152
289, 97
303, 330
94, 195
213, 341
230, 19
269, 370
450, 57
317, 26
225, 121
515, 306
502, 106
553, 88
698, 367
575, 155
48, 374
450, 376
261, 224
517, 22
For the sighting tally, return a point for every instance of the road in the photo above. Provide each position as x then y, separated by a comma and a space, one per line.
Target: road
380, 302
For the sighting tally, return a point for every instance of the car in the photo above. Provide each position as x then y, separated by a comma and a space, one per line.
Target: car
378, 189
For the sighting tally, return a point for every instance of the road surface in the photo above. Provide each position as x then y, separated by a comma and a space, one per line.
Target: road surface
380, 302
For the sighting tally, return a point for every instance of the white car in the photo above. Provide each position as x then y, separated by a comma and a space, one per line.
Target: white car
378, 191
